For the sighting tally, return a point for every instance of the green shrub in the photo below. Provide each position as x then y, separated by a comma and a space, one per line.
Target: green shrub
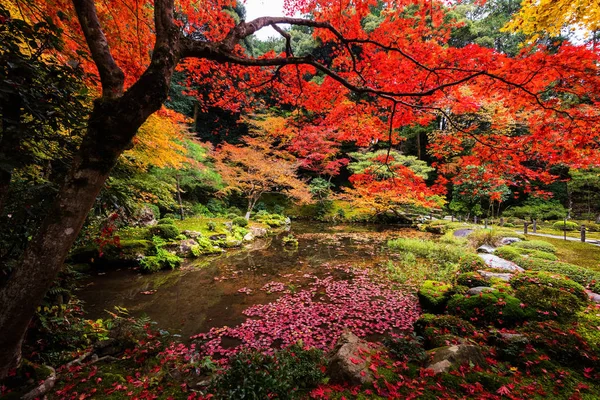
407, 348
434, 295
232, 216
509, 253
170, 216
471, 279
160, 259
430, 326
205, 246
240, 221
428, 249
234, 210
487, 308
290, 241
199, 209
166, 221
284, 375
168, 232
565, 226
211, 226
536, 245
549, 302
469, 262
535, 208
509, 225
557, 281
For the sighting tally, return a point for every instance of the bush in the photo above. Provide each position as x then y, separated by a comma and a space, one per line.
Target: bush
439, 252
205, 246
234, 210
549, 302
536, 245
240, 221
406, 349
284, 375
430, 326
166, 221
211, 226
541, 278
168, 232
565, 226
471, 279
487, 308
434, 295
199, 209
508, 253
538, 209
161, 258
469, 262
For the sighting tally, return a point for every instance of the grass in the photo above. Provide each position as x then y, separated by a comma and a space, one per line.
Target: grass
577, 253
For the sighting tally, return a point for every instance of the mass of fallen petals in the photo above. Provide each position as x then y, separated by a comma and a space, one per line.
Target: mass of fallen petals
318, 315
273, 287
245, 290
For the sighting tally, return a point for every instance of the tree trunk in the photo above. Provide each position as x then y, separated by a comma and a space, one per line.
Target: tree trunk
181, 214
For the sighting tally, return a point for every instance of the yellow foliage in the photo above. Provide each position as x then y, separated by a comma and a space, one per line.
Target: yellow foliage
547, 17
158, 143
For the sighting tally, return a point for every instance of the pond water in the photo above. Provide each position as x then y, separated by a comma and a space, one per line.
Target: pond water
205, 293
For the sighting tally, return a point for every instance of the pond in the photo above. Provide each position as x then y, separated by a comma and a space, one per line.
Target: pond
213, 292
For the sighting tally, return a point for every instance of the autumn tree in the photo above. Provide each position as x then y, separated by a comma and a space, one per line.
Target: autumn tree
256, 168
400, 71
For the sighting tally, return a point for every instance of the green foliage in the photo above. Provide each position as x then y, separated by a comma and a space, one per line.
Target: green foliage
240, 221
211, 226
406, 348
549, 302
516, 254
205, 246
161, 259
166, 221
320, 189
491, 236
557, 281
165, 231
433, 295
375, 162
272, 220
470, 262
565, 226
538, 209
440, 252
288, 374
489, 308
588, 326
536, 245
471, 279
290, 241
430, 326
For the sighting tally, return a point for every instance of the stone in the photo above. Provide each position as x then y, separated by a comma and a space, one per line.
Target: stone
218, 237
461, 233
509, 240
501, 264
486, 249
446, 358
184, 248
595, 297
146, 217
230, 243
192, 234
248, 237
287, 221
502, 276
350, 359
480, 289
258, 232
228, 225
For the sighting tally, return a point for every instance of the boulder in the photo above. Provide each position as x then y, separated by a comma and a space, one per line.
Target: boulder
501, 264
192, 234
594, 297
248, 237
218, 237
184, 247
486, 249
258, 232
461, 233
480, 289
509, 240
228, 225
230, 243
146, 217
349, 360
446, 358
287, 221
488, 275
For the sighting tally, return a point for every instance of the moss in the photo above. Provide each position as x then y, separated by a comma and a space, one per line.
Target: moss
588, 326
509, 253
430, 327
487, 308
577, 253
240, 221
557, 281
470, 262
549, 302
168, 232
434, 295
205, 246
535, 245
471, 279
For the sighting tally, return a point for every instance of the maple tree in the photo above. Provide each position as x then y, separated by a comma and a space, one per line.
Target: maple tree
256, 168
400, 71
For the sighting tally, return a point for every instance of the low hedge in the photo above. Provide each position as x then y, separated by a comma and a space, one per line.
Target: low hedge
565, 226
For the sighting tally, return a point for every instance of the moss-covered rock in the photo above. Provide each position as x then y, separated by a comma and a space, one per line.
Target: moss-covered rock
471, 279
490, 308
127, 252
549, 302
444, 359
470, 262
548, 279
166, 231
430, 327
434, 295
539, 245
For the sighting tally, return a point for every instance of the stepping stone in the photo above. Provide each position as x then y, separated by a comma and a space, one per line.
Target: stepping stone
480, 289
486, 249
488, 275
461, 233
501, 264
509, 240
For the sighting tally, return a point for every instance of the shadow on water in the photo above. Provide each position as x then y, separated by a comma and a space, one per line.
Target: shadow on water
204, 293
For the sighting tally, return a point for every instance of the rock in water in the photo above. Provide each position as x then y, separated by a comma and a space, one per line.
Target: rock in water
350, 359
185, 247
501, 264
446, 358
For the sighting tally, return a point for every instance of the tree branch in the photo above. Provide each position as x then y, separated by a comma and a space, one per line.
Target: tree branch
111, 76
